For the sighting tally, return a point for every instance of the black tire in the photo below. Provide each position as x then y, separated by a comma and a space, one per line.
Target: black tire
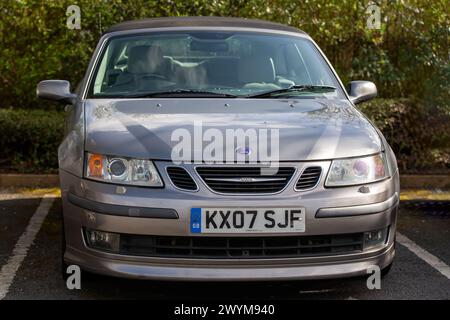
63, 264
385, 270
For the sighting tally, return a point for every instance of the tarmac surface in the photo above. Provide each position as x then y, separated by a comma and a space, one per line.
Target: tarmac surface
427, 224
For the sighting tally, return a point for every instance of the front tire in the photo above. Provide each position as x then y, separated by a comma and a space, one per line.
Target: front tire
63, 264
386, 270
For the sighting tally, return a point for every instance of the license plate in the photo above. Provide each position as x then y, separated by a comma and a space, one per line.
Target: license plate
247, 220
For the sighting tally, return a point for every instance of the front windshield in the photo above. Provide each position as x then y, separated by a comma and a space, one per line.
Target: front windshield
218, 63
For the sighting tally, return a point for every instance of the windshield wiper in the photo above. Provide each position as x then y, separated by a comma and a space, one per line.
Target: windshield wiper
294, 88
181, 92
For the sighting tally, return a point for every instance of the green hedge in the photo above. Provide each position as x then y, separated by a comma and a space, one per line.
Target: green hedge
421, 140
29, 140
419, 135
407, 56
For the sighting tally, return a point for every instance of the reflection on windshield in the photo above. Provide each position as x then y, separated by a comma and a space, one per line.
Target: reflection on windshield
214, 64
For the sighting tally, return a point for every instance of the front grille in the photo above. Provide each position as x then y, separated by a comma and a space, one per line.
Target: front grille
245, 179
309, 178
240, 247
181, 178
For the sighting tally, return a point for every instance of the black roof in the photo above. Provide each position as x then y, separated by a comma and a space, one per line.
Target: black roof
200, 22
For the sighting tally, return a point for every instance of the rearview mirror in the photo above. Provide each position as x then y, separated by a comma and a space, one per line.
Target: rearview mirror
56, 90
360, 91
208, 46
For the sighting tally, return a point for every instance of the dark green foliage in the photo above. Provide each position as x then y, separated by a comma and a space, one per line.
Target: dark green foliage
29, 140
407, 58
419, 138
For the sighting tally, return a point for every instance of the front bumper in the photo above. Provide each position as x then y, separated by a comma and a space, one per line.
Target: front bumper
365, 212
268, 271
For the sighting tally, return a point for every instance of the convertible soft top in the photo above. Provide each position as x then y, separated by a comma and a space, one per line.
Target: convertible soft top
200, 22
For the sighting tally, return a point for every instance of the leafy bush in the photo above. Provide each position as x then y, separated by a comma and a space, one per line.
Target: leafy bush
420, 138
29, 140
408, 56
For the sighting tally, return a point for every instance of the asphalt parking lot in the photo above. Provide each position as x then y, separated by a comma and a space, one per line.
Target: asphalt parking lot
421, 269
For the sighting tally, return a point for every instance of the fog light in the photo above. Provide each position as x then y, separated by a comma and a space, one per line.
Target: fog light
374, 239
101, 240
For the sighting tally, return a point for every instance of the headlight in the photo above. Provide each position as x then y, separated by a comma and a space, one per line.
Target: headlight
122, 170
353, 171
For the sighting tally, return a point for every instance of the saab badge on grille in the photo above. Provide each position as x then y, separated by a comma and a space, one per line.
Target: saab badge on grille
243, 150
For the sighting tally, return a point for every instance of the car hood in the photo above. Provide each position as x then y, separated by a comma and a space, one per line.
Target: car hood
308, 129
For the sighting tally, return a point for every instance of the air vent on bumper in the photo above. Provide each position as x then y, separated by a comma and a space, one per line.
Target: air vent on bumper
309, 178
241, 247
181, 178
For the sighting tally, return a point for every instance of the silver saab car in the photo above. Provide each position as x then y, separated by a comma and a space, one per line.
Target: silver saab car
221, 149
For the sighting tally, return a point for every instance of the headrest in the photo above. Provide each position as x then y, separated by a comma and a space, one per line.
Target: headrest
144, 59
257, 69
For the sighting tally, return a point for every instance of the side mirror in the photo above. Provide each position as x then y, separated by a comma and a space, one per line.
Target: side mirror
360, 91
56, 90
